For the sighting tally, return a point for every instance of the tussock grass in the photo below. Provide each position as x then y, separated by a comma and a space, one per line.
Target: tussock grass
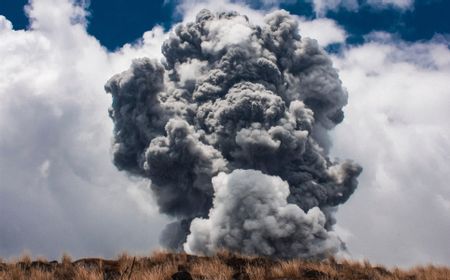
161, 265
213, 268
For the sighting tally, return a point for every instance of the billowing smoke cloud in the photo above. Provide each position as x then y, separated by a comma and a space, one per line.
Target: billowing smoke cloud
251, 214
232, 129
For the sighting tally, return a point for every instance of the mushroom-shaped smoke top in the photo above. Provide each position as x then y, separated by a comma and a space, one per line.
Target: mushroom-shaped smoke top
232, 130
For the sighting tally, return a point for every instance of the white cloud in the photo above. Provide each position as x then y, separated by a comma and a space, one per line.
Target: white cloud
59, 190
322, 6
396, 127
325, 31
5, 24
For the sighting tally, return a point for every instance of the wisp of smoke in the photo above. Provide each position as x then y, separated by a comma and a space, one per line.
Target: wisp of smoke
232, 130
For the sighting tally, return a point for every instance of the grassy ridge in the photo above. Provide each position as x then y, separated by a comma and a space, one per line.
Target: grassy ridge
223, 266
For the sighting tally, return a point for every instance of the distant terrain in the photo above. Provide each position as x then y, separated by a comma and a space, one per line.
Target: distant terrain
163, 265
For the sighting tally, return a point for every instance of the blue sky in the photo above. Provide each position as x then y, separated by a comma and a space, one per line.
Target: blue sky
116, 22
60, 192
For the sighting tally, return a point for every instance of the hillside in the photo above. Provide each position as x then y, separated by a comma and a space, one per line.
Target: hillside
223, 266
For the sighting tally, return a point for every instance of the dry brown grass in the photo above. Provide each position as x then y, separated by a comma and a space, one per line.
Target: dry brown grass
256, 272
158, 272
161, 265
214, 268
285, 269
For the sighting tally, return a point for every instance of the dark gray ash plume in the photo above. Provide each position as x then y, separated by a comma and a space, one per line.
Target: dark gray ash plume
232, 130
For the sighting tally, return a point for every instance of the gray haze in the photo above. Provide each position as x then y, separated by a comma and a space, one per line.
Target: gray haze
230, 95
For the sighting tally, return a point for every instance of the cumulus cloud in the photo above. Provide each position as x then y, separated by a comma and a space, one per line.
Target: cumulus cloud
59, 190
5, 24
399, 114
322, 6
325, 31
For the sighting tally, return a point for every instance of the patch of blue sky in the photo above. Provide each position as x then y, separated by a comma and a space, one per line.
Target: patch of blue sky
13, 10
116, 22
